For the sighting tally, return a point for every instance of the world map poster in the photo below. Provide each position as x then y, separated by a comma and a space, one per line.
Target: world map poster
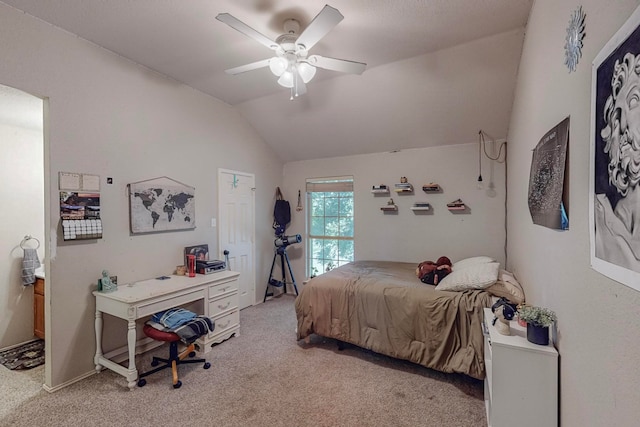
161, 204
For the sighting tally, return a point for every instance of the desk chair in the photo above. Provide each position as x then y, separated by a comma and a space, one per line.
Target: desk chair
174, 359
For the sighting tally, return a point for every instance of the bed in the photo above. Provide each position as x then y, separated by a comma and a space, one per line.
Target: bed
382, 306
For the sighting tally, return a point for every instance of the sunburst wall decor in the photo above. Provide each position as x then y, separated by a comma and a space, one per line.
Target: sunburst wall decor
575, 34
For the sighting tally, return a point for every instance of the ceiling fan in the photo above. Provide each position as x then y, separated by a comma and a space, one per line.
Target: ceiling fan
292, 63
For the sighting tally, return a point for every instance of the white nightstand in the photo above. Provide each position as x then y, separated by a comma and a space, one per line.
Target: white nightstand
521, 386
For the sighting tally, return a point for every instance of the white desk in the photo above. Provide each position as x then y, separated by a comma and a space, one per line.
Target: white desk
131, 302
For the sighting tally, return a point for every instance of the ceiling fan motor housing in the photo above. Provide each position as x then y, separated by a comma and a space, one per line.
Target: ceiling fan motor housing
291, 26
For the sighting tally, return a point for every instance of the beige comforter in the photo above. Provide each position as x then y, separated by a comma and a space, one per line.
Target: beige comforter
382, 306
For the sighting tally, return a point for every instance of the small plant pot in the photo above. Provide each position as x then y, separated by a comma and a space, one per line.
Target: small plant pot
522, 322
537, 334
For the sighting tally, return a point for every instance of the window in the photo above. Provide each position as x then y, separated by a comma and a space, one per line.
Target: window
329, 224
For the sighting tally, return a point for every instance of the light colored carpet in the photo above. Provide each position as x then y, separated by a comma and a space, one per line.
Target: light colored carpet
264, 377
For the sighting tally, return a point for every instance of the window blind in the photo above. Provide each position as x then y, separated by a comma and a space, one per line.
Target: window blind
341, 184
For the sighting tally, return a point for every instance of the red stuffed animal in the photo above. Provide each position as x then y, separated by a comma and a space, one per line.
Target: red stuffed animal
432, 272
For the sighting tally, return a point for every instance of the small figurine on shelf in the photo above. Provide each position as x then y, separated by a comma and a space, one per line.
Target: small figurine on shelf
503, 312
389, 207
105, 284
403, 186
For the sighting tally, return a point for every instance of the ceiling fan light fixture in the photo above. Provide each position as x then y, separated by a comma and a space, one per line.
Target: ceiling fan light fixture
286, 79
292, 64
306, 71
278, 65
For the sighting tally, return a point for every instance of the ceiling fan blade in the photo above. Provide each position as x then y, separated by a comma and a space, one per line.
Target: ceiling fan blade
319, 27
334, 64
248, 67
236, 24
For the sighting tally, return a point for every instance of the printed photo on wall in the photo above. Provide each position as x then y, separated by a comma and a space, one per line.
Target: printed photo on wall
547, 195
615, 157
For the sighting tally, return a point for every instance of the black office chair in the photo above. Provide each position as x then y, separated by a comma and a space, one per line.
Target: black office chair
174, 359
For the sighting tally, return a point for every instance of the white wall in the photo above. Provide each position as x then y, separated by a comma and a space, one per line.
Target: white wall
598, 318
22, 213
407, 236
110, 117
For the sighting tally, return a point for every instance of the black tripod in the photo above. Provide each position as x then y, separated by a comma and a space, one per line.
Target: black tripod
282, 251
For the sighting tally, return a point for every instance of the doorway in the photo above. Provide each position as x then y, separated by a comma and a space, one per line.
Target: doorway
236, 229
22, 171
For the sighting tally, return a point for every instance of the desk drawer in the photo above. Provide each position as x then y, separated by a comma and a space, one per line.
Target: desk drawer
223, 305
167, 302
222, 288
225, 322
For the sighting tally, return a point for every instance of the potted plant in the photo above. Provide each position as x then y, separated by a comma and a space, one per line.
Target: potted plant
538, 321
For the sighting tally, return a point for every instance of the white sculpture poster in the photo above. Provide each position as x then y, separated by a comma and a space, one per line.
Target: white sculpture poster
615, 157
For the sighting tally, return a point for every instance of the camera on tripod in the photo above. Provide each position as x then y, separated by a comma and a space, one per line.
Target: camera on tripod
284, 241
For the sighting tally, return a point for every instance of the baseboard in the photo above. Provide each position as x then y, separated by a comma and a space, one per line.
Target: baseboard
19, 344
118, 355
68, 383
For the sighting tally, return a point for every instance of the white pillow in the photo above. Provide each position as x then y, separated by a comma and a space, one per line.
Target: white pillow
475, 276
467, 262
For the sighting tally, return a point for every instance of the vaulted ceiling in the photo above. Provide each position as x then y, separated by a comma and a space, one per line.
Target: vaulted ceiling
437, 70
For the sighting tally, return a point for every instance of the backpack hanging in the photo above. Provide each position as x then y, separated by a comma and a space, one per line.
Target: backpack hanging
281, 211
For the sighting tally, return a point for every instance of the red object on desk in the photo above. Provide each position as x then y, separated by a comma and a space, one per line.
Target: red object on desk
191, 264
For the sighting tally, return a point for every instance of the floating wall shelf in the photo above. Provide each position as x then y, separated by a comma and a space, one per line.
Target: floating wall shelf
456, 205
403, 188
380, 189
421, 206
389, 208
432, 188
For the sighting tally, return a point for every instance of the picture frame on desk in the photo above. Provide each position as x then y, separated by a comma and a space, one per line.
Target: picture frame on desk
201, 252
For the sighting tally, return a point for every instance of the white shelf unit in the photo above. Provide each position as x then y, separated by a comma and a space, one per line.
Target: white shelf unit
521, 386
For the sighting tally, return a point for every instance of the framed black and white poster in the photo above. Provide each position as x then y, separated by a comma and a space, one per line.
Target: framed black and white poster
547, 196
614, 196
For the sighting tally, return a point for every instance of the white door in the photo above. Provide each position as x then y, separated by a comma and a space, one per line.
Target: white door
236, 229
